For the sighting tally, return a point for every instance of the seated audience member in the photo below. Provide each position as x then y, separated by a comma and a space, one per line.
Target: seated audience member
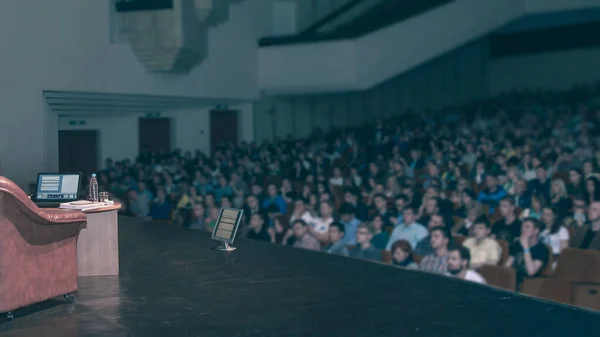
483, 249
458, 265
280, 233
402, 255
336, 240
252, 206
303, 239
522, 197
560, 202
492, 194
363, 248
226, 202
380, 202
424, 245
465, 227
575, 185
361, 211
380, 237
429, 208
223, 189
350, 223
537, 205
410, 230
577, 217
467, 203
586, 236
258, 229
301, 212
541, 184
211, 221
274, 198
437, 262
509, 227
196, 219
554, 235
161, 208
143, 190
189, 199
139, 205
400, 203
337, 179
320, 226
528, 256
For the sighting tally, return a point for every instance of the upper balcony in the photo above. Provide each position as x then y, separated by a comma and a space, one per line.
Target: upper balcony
383, 40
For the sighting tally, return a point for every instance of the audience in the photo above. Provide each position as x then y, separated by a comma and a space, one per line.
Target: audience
402, 255
528, 256
364, 249
482, 248
458, 265
336, 243
408, 230
303, 239
258, 230
437, 262
586, 236
525, 162
380, 237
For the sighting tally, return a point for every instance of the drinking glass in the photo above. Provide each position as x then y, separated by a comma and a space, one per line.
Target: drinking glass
103, 196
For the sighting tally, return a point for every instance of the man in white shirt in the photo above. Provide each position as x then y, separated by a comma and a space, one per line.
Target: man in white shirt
458, 265
301, 213
320, 225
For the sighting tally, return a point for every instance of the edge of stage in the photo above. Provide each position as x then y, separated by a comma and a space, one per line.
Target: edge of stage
173, 283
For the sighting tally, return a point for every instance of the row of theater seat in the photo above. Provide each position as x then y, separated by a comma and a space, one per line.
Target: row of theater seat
575, 281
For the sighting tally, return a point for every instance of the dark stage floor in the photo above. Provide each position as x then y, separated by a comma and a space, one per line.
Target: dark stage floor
173, 284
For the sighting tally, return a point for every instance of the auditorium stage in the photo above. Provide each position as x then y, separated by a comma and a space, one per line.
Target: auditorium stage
173, 284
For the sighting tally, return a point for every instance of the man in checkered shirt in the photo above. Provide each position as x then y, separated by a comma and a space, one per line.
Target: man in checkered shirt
437, 262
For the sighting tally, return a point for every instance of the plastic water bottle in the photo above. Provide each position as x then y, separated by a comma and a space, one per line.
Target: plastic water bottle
94, 188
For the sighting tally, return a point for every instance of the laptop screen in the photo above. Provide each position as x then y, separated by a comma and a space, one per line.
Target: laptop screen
58, 187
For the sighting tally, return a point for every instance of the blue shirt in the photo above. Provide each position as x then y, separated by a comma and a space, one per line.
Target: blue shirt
492, 199
160, 211
412, 233
350, 231
278, 201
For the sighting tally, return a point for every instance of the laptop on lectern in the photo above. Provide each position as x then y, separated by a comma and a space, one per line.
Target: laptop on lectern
56, 188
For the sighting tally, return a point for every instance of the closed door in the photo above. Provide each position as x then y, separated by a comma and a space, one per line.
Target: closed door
223, 127
155, 134
78, 151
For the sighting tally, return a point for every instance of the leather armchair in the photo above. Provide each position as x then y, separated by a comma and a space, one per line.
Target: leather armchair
38, 249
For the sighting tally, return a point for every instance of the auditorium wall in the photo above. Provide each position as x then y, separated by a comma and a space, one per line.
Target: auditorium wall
118, 135
190, 130
555, 70
64, 45
454, 78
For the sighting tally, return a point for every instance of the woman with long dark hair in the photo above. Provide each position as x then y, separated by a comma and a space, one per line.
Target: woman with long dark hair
280, 232
555, 235
592, 189
575, 185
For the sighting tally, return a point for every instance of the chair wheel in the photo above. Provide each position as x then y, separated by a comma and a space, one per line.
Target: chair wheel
70, 298
9, 316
